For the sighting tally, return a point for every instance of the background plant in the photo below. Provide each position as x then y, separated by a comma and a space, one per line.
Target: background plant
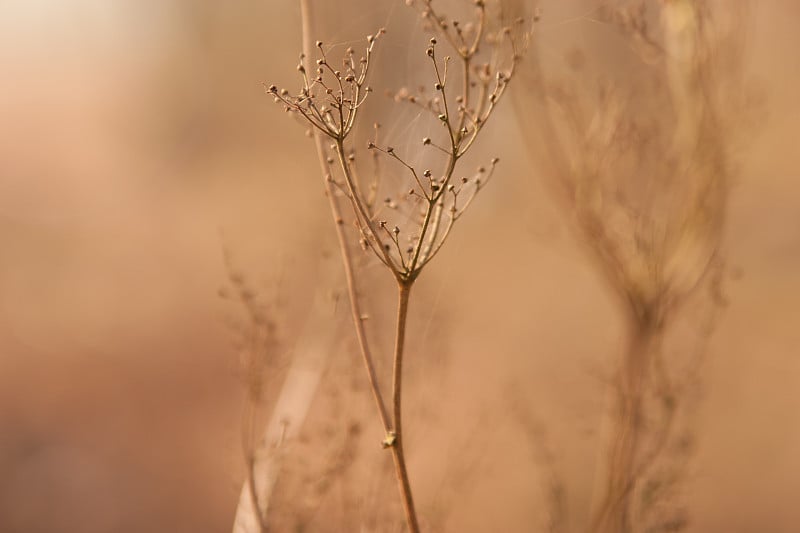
642, 168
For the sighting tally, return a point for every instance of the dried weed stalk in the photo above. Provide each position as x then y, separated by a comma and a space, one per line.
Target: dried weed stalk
258, 347
643, 168
279, 390
408, 229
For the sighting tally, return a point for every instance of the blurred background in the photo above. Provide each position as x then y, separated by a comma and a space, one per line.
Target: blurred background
137, 143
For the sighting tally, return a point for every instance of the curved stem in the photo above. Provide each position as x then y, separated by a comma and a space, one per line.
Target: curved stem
355, 307
404, 291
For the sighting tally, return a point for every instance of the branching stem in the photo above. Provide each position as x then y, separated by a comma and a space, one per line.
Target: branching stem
347, 262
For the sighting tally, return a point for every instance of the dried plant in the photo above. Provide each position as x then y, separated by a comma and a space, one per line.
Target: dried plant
279, 387
643, 168
259, 353
408, 229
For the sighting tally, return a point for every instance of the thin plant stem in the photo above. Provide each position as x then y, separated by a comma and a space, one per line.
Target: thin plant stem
404, 292
347, 263
615, 512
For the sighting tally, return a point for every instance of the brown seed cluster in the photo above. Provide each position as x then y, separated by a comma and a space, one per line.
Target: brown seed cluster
408, 229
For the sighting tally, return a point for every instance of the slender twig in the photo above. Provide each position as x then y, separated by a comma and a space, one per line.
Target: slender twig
396, 444
347, 262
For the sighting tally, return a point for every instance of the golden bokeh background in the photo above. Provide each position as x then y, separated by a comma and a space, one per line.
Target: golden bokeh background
137, 142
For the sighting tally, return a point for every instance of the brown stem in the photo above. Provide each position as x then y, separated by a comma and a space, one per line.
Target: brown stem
614, 515
355, 307
404, 291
